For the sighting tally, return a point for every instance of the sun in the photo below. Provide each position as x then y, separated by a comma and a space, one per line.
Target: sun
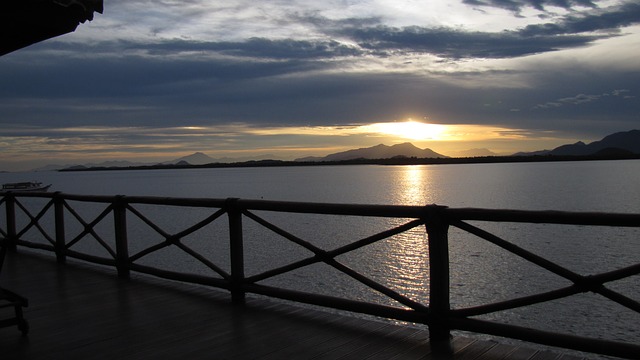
410, 129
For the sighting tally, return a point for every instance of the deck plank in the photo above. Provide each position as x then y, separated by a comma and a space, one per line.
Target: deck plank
80, 311
503, 351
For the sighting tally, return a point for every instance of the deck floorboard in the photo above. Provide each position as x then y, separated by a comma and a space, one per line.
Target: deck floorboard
80, 311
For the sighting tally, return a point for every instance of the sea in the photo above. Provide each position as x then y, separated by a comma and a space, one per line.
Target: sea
480, 272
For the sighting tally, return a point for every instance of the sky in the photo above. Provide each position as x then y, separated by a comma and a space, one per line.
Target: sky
152, 81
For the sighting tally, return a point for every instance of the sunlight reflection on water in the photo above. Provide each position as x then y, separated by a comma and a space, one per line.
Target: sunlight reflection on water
414, 187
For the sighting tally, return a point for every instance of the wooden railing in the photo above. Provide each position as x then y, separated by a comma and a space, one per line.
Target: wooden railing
437, 313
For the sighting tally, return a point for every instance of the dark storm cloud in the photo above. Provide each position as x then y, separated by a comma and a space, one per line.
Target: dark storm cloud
135, 75
326, 24
156, 92
254, 47
516, 6
164, 91
370, 38
570, 32
367, 37
451, 43
585, 98
625, 15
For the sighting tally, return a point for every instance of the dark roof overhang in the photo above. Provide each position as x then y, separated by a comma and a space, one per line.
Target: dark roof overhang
26, 22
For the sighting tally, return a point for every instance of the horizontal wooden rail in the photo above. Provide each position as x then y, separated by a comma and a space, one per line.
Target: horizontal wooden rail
597, 346
341, 303
546, 217
437, 220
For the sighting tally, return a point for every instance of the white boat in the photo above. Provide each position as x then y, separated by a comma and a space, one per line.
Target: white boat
25, 186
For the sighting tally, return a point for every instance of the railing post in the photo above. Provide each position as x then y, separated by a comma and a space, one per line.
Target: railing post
122, 244
438, 240
11, 241
236, 247
60, 245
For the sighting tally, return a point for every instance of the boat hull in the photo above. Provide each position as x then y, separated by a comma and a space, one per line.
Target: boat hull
25, 186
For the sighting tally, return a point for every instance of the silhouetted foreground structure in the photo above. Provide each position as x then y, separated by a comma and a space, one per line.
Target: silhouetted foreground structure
117, 298
81, 312
11, 300
25, 22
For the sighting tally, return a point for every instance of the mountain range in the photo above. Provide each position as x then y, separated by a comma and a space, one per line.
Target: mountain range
200, 158
617, 144
197, 158
621, 143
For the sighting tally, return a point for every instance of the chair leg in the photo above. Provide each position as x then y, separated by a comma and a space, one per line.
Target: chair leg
16, 301
23, 325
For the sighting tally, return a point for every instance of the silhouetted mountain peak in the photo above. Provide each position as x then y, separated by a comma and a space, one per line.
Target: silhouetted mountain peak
379, 151
406, 145
626, 141
197, 158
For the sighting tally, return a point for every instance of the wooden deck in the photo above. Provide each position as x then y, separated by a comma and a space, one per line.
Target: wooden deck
79, 311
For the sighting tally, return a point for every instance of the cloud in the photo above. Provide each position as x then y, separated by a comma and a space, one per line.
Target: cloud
516, 6
350, 38
255, 47
603, 20
570, 32
144, 78
458, 44
583, 99
579, 99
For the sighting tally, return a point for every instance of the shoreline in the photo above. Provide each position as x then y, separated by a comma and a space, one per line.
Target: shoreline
362, 161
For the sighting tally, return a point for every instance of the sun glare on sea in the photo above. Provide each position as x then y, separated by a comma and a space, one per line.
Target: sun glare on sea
410, 129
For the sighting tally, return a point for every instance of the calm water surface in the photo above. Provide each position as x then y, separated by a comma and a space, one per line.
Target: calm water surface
582, 186
480, 272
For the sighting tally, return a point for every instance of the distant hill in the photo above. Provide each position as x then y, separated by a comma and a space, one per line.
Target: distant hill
617, 143
380, 151
197, 158
200, 158
473, 153
114, 163
309, 159
532, 153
